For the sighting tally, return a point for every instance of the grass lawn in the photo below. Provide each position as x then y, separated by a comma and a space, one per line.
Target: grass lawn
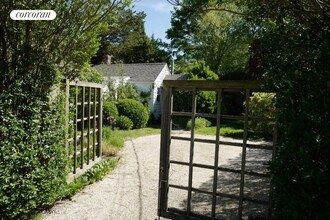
113, 140
233, 129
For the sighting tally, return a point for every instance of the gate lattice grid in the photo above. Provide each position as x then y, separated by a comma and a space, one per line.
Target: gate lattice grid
215, 198
83, 125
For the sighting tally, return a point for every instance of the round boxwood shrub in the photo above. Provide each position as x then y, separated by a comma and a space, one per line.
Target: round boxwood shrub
124, 123
109, 109
262, 105
199, 123
135, 111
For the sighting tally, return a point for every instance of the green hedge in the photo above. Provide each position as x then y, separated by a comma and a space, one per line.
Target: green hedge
135, 111
109, 109
32, 156
295, 57
199, 123
262, 105
124, 123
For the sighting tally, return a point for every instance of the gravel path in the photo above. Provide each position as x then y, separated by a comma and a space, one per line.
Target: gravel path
131, 190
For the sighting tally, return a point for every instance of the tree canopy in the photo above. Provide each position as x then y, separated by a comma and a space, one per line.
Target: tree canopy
35, 56
222, 40
126, 41
289, 49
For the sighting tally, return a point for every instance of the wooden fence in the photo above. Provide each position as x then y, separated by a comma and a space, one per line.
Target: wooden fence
83, 125
167, 137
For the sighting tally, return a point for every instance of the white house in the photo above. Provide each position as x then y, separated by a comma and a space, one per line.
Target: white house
144, 76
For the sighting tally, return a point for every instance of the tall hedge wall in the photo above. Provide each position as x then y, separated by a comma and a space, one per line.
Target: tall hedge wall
32, 157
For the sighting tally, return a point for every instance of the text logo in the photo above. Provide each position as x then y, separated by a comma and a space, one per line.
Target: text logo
33, 15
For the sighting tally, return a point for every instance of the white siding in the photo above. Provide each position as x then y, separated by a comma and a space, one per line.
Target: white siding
144, 87
158, 84
155, 106
116, 81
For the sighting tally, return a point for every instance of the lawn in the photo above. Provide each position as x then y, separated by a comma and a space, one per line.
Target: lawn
113, 140
233, 129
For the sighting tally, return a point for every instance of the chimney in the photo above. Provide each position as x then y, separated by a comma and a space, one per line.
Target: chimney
107, 59
172, 66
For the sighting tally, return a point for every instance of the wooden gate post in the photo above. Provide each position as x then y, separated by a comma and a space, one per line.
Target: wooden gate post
164, 149
67, 115
100, 117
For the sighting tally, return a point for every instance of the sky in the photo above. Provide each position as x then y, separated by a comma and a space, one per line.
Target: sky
158, 18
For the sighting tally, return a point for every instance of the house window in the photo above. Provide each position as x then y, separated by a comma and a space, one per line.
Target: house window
158, 94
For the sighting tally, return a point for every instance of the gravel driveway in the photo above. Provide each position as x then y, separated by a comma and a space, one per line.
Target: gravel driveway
131, 190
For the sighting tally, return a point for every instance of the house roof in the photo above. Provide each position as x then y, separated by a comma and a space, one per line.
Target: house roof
138, 72
177, 77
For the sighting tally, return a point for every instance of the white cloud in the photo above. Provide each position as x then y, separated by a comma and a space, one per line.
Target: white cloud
162, 7
158, 6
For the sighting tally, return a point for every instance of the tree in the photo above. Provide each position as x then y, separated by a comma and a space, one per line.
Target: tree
222, 40
126, 91
87, 73
35, 56
159, 51
200, 70
291, 49
130, 44
206, 100
294, 50
127, 42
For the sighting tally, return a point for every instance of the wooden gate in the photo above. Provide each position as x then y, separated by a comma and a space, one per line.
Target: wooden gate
83, 125
217, 197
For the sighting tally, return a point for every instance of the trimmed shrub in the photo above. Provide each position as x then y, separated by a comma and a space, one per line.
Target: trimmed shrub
182, 101
200, 70
180, 122
206, 102
109, 109
135, 111
152, 119
126, 91
124, 123
32, 157
262, 105
199, 123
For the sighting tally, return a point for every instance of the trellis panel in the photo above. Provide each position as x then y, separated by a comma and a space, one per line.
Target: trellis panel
221, 87
83, 138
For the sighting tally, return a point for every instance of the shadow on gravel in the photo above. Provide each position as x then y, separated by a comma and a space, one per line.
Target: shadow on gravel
138, 171
229, 183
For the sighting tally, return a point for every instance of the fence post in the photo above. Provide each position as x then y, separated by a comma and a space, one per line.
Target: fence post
82, 124
216, 159
75, 130
245, 137
67, 115
89, 124
164, 149
192, 149
100, 123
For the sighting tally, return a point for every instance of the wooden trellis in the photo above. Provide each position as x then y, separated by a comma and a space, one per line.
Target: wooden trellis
83, 125
220, 87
